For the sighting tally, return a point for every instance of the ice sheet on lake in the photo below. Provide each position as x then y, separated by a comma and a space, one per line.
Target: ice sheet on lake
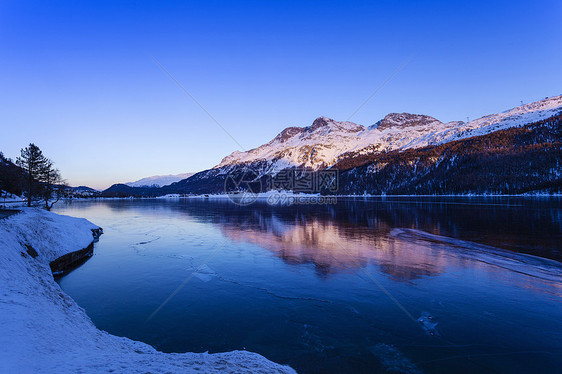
428, 323
530, 265
393, 360
205, 273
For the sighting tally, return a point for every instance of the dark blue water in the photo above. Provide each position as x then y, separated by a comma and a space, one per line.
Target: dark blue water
391, 285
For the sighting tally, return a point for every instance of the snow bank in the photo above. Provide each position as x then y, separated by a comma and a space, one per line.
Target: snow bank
44, 330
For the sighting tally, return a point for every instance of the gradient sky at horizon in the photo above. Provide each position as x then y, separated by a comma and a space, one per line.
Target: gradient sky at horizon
78, 80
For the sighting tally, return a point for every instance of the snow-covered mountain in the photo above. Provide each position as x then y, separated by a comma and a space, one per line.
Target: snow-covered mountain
394, 155
326, 140
159, 180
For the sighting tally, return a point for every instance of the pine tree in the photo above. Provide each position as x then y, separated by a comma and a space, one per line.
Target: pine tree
52, 184
32, 162
41, 179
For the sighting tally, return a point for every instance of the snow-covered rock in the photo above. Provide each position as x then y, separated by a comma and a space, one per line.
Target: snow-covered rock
321, 144
44, 330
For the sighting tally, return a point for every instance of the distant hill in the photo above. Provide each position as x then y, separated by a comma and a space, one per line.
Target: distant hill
84, 191
159, 180
122, 190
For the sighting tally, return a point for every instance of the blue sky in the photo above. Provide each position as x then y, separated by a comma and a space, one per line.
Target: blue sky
77, 78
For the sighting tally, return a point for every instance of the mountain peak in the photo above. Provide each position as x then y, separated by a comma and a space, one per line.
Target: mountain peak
401, 120
287, 133
330, 124
320, 122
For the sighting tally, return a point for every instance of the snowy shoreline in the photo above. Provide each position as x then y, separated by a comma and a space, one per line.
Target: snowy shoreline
44, 330
266, 195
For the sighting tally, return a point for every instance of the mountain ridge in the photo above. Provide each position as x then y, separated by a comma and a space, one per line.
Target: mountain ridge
322, 143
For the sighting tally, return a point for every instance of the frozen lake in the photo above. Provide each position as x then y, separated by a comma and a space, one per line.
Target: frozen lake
432, 285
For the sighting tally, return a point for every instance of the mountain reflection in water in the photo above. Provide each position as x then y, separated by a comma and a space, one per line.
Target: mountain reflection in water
350, 235
332, 248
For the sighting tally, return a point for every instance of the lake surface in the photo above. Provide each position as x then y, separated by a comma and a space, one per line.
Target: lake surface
430, 285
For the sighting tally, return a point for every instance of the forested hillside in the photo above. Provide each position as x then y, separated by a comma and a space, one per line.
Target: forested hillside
10, 176
511, 161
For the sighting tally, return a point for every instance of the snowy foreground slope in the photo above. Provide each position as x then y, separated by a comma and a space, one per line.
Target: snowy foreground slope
44, 330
